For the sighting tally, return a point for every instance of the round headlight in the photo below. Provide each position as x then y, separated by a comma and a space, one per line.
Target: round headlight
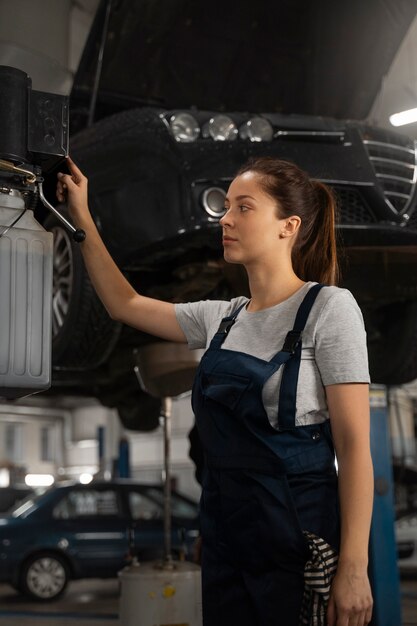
256, 129
184, 127
220, 128
212, 200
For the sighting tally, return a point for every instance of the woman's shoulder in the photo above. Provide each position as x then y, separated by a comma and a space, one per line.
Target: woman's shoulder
334, 297
208, 311
336, 308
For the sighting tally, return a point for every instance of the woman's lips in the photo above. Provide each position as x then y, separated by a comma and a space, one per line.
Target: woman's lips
227, 240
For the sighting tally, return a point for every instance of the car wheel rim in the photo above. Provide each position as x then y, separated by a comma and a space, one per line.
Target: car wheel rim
46, 578
63, 276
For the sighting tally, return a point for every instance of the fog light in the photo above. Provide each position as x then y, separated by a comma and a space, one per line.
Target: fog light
220, 128
212, 200
184, 127
256, 129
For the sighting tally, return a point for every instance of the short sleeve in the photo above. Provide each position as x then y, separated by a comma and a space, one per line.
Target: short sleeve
199, 320
340, 341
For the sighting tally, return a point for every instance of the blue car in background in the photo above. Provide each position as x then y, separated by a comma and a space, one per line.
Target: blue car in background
75, 531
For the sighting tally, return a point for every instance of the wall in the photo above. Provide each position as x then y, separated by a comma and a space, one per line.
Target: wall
45, 38
30, 420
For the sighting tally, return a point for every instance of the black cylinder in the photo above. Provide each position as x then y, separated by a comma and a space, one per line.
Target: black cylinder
14, 87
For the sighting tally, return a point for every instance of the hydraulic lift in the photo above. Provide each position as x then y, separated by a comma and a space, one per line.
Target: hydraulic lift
382, 549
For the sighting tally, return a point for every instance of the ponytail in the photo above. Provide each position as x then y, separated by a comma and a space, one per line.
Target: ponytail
314, 254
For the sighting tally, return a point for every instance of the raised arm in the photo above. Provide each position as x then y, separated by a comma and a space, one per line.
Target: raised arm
351, 598
121, 301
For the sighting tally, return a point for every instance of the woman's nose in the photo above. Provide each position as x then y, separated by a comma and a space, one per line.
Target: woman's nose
225, 220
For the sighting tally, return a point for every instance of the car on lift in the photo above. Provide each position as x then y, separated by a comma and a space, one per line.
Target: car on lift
168, 101
75, 531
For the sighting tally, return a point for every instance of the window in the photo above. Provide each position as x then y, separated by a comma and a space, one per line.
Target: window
47, 443
13, 442
143, 508
180, 507
88, 503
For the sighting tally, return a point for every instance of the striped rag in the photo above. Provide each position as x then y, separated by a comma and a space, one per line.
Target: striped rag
318, 576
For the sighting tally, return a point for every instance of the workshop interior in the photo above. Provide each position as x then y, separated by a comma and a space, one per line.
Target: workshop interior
160, 103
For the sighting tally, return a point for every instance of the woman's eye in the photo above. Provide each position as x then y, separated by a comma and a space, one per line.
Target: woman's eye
242, 207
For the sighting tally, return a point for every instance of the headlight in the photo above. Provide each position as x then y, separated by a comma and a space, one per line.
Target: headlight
220, 128
184, 127
212, 200
256, 129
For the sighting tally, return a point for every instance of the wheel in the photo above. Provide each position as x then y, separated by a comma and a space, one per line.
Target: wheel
44, 576
392, 342
83, 334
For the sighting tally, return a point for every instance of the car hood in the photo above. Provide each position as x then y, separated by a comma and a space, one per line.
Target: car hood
290, 56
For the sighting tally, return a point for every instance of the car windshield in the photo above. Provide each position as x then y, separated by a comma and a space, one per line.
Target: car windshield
24, 507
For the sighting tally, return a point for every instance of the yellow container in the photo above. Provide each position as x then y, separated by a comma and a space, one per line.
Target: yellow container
154, 596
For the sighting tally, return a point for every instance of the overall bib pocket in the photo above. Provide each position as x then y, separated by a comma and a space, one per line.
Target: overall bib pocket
224, 389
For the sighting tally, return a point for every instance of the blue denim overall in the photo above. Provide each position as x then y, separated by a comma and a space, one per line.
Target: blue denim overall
262, 485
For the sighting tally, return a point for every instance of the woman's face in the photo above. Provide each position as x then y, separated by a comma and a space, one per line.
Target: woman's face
251, 226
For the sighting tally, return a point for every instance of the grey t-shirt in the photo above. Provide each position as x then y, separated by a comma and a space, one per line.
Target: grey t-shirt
333, 343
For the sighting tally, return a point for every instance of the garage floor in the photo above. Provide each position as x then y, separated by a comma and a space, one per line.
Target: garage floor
96, 603
85, 603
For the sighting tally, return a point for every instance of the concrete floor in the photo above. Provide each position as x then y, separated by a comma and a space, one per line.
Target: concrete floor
85, 603
409, 601
96, 603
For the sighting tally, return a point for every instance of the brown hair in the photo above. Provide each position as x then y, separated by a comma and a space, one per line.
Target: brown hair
314, 254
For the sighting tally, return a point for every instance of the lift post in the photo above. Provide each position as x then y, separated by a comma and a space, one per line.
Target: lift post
383, 565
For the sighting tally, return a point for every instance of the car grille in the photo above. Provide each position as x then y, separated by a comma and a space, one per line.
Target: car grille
352, 207
394, 161
413, 221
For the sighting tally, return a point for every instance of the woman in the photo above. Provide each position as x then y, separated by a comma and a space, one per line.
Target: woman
283, 378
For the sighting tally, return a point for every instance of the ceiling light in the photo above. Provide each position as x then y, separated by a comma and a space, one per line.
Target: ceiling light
39, 480
86, 478
404, 117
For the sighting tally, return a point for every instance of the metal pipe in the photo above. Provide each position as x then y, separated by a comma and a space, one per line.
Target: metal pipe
11, 167
166, 414
77, 233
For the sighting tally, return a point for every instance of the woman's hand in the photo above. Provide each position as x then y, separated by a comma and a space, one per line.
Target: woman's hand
350, 602
72, 188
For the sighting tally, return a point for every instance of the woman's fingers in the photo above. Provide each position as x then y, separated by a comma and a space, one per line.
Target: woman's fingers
76, 173
72, 188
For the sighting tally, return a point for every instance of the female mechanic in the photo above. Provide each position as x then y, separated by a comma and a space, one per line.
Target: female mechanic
280, 391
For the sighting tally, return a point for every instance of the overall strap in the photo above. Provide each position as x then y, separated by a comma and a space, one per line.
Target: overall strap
293, 344
224, 328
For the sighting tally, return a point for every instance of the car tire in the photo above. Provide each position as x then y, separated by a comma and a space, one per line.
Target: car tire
83, 333
392, 342
44, 576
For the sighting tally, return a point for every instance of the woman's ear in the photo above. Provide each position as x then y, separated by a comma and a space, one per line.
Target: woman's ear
290, 226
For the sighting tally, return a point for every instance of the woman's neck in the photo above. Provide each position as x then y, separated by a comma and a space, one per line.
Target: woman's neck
270, 288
